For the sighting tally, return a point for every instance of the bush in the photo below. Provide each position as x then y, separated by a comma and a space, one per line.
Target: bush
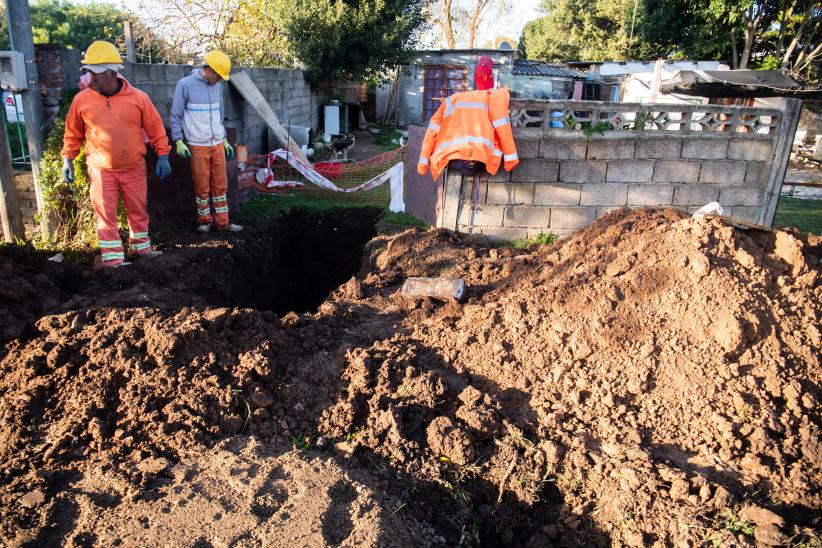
67, 204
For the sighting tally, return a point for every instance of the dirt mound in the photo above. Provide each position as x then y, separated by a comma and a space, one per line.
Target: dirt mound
653, 379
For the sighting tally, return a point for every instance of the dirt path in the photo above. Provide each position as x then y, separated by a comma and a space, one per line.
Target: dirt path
653, 379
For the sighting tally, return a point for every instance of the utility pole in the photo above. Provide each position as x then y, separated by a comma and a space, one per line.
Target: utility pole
129, 41
19, 21
10, 215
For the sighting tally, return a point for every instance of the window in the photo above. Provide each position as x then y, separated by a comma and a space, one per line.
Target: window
441, 81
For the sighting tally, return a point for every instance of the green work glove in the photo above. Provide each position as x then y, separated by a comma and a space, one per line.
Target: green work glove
229, 150
182, 149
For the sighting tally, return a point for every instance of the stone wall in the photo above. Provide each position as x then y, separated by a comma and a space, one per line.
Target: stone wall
566, 180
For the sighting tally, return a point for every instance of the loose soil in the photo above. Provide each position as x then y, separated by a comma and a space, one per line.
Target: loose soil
653, 379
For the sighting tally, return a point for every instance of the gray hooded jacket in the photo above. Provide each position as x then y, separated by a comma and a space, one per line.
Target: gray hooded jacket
197, 111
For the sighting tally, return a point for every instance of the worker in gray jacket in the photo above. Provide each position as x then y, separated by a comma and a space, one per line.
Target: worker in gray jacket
198, 133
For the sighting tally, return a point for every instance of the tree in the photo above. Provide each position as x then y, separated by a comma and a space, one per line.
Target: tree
772, 34
352, 40
462, 18
76, 26
589, 30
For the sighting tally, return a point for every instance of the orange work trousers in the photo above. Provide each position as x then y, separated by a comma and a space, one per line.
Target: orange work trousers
208, 171
106, 187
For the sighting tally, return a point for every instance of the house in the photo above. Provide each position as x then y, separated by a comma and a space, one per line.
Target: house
433, 75
632, 81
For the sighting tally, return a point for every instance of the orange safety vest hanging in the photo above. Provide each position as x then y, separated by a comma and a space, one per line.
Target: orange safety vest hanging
473, 126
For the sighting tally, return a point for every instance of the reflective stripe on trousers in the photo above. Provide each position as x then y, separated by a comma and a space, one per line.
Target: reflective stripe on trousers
208, 169
105, 190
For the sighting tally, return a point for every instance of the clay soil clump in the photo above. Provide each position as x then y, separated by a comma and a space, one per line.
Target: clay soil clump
653, 379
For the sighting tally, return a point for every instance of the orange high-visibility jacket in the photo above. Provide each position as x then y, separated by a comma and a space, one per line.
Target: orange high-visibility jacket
111, 128
472, 125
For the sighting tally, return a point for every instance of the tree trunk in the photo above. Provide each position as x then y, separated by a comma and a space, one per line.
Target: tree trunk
734, 57
786, 58
476, 13
746, 50
447, 24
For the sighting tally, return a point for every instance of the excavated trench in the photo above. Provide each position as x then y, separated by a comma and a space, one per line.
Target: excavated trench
291, 264
287, 264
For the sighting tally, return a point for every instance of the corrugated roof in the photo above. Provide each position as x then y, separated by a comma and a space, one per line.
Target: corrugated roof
551, 70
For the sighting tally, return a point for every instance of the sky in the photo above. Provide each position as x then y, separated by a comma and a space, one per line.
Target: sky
492, 26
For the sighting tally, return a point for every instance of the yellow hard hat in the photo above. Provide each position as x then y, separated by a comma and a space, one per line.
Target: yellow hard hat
101, 52
219, 62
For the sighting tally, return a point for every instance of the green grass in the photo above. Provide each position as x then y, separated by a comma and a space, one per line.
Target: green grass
543, 238
312, 198
803, 214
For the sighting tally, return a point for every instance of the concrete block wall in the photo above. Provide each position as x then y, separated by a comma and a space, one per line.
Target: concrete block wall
565, 181
286, 90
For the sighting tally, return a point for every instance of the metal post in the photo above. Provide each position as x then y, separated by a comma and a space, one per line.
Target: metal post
779, 159
129, 41
19, 21
10, 215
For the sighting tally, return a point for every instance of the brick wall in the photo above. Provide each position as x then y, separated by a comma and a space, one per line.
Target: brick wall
24, 182
565, 181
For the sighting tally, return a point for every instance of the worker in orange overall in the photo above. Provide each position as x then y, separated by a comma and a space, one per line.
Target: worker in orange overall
197, 119
110, 116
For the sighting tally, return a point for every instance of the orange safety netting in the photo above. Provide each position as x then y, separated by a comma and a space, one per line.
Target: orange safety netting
342, 174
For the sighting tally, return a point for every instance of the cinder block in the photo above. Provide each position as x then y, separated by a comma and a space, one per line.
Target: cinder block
750, 150
173, 73
705, 149
529, 217
676, 171
485, 215
745, 213
655, 194
496, 233
527, 148
611, 149
469, 190
535, 171
586, 171
723, 172
630, 171
510, 193
557, 194
604, 194
757, 173
695, 195
658, 148
739, 196
140, 73
501, 176
156, 73
562, 149
572, 217
602, 211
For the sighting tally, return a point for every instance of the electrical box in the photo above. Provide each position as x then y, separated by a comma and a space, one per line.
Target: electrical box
13, 71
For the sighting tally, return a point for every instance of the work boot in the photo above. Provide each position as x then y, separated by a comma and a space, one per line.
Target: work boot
151, 253
204, 228
118, 265
230, 227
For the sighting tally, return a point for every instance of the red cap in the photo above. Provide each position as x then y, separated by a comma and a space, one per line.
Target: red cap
484, 74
